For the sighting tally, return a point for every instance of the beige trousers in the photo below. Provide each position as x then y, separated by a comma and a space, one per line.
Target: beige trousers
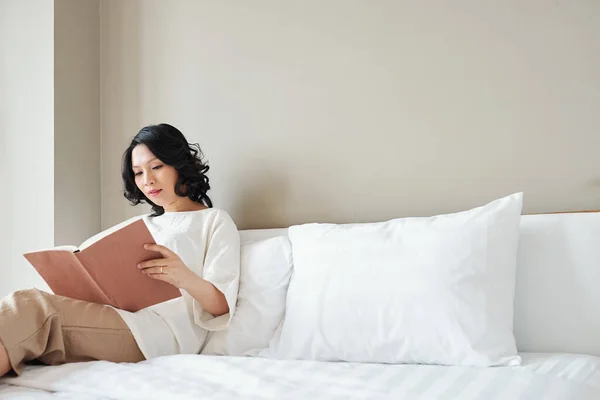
35, 325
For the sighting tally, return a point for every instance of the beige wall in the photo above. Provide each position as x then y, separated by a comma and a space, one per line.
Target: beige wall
76, 120
26, 137
330, 111
359, 111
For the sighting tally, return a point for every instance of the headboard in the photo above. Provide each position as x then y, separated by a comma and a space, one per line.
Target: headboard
557, 301
557, 296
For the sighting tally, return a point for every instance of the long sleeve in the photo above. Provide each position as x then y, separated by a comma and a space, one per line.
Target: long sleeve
222, 269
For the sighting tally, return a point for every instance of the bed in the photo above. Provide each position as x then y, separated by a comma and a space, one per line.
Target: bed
556, 326
542, 376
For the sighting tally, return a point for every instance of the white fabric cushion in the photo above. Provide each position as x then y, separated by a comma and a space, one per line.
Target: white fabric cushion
435, 290
266, 267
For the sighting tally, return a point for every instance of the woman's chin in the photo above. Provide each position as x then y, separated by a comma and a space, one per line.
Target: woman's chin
157, 202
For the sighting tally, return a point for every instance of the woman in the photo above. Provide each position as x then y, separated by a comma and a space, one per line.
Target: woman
201, 256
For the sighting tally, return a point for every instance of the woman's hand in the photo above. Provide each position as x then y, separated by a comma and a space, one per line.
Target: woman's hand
169, 269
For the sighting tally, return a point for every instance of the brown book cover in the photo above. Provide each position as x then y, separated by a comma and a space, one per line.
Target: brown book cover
104, 269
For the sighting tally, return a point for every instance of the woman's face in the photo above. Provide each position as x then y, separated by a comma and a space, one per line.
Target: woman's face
153, 177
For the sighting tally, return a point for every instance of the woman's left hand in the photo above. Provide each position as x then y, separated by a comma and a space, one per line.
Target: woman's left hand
169, 269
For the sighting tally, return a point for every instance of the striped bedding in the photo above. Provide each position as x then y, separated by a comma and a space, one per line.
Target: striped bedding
542, 376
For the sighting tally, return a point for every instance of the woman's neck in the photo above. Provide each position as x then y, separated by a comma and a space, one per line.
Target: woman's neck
184, 204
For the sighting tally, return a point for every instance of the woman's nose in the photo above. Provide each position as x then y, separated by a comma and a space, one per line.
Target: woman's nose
149, 179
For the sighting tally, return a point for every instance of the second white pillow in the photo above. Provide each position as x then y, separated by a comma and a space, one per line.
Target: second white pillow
435, 290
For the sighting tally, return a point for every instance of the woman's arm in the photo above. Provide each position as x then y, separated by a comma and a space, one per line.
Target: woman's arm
205, 293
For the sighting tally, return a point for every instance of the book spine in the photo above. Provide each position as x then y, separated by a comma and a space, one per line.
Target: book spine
106, 298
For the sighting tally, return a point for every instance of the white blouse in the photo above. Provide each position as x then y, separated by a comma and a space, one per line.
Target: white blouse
208, 242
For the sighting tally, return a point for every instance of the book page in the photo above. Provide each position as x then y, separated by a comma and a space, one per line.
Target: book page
100, 235
68, 248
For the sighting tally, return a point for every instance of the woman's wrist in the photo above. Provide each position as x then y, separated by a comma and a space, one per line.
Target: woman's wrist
192, 282
205, 293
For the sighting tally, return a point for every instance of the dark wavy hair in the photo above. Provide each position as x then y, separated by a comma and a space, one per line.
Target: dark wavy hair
169, 145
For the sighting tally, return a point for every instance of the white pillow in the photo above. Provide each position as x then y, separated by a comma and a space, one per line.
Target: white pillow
436, 290
266, 267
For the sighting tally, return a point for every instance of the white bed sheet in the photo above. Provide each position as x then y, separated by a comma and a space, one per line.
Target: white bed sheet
542, 376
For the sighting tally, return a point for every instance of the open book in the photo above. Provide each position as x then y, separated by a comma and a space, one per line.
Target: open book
104, 269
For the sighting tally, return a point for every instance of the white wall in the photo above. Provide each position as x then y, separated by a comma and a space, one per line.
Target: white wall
49, 130
349, 110
26, 137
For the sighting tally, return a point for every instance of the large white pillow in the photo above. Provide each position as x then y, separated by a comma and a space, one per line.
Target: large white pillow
435, 290
266, 267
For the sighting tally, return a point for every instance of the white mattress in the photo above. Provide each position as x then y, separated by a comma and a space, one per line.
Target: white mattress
542, 376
